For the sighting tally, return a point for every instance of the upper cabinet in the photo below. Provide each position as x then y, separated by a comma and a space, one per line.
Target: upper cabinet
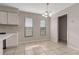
3, 17
9, 15
9, 18
13, 18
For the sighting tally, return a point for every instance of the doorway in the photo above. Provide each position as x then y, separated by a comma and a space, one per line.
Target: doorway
62, 29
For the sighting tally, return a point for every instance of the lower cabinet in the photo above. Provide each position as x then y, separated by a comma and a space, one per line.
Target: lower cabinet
1, 47
12, 41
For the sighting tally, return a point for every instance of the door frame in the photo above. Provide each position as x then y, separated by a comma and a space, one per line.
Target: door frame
67, 26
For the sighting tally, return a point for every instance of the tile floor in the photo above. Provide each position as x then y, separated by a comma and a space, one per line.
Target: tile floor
41, 48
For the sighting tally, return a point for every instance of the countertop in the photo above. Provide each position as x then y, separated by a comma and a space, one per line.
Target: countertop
5, 36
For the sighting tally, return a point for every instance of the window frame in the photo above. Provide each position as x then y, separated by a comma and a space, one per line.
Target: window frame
26, 27
44, 27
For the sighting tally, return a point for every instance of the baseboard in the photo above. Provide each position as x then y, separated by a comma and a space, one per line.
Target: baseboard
27, 41
73, 47
54, 41
11, 47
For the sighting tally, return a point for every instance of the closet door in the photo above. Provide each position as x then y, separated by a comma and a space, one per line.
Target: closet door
3, 17
13, 18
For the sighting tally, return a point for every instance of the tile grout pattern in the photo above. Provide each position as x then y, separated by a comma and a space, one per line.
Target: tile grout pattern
41, 48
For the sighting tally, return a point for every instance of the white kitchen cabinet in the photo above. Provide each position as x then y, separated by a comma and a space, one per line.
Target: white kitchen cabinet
3, 17
9, 18
13, 18
12, 41
1, 47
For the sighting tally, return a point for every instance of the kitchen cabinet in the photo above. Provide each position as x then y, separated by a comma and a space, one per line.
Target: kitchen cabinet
13, 18
12, 40
1, 47
3, 17
9, 18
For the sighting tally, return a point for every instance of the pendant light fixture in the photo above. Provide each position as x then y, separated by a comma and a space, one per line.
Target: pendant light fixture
47, 13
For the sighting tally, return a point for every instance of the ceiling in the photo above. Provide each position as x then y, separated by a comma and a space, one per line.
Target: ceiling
39, 7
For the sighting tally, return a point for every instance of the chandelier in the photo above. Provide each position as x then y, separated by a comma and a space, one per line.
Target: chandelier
47, 13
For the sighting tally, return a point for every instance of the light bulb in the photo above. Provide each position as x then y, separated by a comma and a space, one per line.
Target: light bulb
50, 14
45, 13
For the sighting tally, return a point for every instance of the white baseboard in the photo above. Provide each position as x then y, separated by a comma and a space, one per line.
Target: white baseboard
73, 47
32, 41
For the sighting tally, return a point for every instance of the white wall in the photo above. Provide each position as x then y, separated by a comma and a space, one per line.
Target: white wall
36, 27
20, 28
72, 26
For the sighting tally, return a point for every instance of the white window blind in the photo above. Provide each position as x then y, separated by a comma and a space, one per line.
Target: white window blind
28, 27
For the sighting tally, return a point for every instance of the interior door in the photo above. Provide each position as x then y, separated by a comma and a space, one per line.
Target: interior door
62, 24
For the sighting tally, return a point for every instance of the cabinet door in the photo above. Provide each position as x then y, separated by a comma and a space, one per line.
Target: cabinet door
3, 17
1, 47
12, 41
13, 18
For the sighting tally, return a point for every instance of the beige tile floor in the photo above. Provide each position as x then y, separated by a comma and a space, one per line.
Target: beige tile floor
41, 48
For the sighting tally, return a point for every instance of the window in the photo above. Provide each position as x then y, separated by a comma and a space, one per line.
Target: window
42, 27
28, 27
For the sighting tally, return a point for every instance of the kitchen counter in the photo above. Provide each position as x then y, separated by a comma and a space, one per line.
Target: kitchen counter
5, 36
11, 40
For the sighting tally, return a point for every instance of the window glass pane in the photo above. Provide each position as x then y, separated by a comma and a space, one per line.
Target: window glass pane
42, 23
43, 27
28, 27
28, 22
